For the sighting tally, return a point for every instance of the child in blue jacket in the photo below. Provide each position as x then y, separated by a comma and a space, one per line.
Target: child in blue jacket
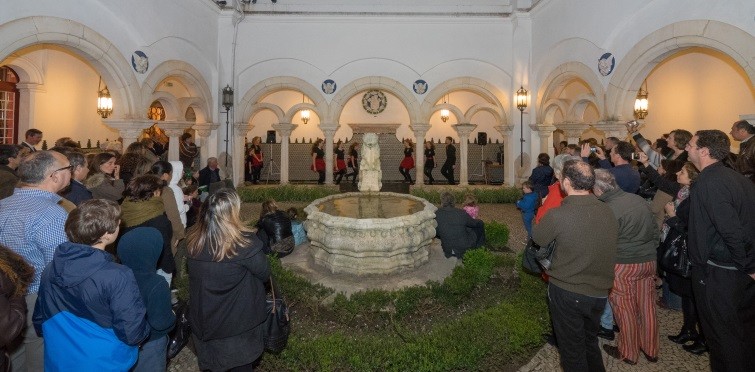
528, 205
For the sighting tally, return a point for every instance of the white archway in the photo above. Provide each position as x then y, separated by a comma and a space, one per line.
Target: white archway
201, 98
373, 82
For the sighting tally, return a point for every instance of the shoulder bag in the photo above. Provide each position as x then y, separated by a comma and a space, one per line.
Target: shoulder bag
536, 257
277, 325
675, 257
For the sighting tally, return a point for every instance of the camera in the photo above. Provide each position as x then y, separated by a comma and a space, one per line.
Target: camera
635, 156
593, 149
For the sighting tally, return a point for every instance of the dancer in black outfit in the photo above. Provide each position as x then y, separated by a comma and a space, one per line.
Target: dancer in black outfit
448, 166
353, 162
408, 163
429, 161
318, 161
339, 163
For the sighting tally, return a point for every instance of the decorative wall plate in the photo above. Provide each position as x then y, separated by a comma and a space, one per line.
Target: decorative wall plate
420, 86
139, 61
328, 86
374, 101
606, 63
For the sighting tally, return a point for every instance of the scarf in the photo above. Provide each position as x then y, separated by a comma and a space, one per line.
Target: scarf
135, 213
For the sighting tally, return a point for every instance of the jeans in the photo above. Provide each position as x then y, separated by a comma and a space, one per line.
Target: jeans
606, 319
576, 319
152, 356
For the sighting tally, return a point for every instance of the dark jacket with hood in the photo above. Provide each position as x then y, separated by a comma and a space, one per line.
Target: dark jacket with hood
139, 249
276, 227
89, 311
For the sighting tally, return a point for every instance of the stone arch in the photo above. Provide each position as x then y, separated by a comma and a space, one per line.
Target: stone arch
658, 45
373, 82
489, 92
188, 75
550, 108
27, 70
105, 57
170, 105
559, 78
480, 108
579, 106
275, 109
196, 104
461, 118
289, 115
268, 86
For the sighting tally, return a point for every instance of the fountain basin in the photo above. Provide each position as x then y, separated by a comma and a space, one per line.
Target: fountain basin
370, 233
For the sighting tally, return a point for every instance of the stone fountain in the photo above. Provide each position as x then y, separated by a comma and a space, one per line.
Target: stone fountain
370, 232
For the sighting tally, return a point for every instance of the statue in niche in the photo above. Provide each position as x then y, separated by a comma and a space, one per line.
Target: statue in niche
370, 175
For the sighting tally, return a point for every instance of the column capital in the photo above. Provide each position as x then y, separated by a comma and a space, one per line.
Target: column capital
505, 129
419, 129
540, 127
241, 129
31, 87
175, 128
612, 128
573, 130
285, 129
128, 125
204, 129
463, 130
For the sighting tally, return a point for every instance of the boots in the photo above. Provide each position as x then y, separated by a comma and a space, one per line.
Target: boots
697, 348
686, 335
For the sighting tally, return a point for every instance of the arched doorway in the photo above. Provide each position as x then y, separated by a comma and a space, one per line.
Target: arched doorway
9, 99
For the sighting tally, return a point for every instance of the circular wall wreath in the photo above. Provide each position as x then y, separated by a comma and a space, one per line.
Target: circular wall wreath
374, 102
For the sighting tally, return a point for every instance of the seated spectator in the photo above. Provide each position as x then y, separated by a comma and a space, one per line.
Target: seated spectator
274, 229
297, 228
143, 207
456, 230
89, 309
139, 249
104, 180
15, 277
209, 174
470, 206
9, 160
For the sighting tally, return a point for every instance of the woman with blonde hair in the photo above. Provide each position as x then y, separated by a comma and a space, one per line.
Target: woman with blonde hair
226, 263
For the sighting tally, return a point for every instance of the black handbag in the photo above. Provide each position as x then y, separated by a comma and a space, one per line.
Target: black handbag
277, 325
535, 253
179, 336
675, 256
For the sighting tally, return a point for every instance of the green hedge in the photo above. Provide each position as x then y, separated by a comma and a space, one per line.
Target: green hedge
285, 193
488, 196
496, 234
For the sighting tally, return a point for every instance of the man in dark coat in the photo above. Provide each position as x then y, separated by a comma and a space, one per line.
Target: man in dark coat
209, 174
722, 252
745, 133
77, 193
456, 230
447, 170
627, 177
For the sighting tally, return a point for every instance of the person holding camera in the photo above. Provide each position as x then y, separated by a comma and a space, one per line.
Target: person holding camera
627, 177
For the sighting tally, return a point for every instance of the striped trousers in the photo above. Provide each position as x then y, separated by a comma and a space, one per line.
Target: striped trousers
633, 301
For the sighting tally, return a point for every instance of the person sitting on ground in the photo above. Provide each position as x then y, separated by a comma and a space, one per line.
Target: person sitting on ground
456, 230
89, 309
104, 180
274, 229
9, 160
297, 228
139, 249
143, 207
528, 205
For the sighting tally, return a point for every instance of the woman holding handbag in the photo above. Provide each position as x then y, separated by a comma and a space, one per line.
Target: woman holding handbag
227, 275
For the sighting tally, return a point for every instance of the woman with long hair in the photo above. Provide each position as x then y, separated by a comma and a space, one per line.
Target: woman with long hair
104, 180
254, 160
226, 264
408, 162
318, 160
173, 197
353, 162
429, 161
339, 162
132, 161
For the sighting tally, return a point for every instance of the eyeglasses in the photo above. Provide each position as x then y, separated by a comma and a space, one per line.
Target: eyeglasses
68, 168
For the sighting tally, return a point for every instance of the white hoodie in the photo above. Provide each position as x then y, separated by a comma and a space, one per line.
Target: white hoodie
178, 171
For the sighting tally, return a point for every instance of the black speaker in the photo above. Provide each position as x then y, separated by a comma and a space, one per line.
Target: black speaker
270, 136
482, 138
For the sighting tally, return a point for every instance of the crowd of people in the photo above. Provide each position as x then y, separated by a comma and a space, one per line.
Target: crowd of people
88, 247
614, 211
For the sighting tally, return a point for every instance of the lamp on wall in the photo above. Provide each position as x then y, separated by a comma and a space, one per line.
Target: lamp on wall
521, 104
104, 101
444, 113
305, 112
641, 102
227, 103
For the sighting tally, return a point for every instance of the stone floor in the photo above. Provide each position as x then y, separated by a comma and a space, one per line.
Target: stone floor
671, 357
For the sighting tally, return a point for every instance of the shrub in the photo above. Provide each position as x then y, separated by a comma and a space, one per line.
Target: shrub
285, 193
493, 196
496, 234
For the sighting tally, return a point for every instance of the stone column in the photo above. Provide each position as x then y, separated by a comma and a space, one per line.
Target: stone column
329, 130
463, 130
203, 133
573, 131
240, 130
420, 130
545, 132
27, 102
508, 170
128, 130
174, 130
284, 129
613, 129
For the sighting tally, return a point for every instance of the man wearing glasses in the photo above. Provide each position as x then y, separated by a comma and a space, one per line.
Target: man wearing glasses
722, 252
32, 225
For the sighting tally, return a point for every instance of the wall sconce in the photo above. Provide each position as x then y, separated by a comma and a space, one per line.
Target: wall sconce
444, 113
305, 112
521, 104
104, 101
641, 102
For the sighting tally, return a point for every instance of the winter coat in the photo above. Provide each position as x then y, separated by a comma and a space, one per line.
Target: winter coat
103, 186
15, 277
77, 193
89, 311
139, 250
8, 181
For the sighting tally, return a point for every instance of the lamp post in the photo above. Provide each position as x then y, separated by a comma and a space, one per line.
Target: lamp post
521, 104
227, 103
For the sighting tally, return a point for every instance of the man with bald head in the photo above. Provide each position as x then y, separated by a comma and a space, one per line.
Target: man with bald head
32, 225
